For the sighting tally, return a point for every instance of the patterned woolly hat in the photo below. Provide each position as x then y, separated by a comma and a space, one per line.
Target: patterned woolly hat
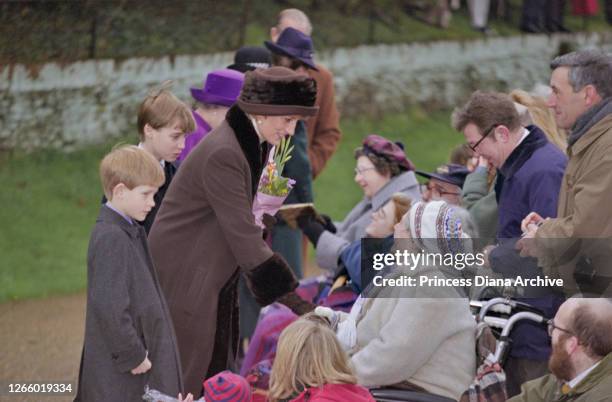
227, 387
437, 228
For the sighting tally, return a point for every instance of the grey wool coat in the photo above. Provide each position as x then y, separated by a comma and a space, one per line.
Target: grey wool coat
330, 245
204, 232
127, 317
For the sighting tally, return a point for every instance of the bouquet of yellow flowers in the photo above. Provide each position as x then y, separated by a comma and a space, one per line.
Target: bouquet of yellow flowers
273, 188
271, 182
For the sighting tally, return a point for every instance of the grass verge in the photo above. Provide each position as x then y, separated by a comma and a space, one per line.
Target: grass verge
50, 199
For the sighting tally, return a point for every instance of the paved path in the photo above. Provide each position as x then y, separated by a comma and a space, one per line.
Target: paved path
41, 340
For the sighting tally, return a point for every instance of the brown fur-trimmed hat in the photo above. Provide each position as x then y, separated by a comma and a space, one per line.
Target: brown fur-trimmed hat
278, 91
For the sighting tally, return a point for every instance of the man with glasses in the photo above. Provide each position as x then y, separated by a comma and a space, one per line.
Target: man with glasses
444, 184
581, 359
529, 167
529, 173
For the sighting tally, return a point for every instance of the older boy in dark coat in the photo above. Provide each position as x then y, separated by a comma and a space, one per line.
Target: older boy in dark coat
129, 338
163, 121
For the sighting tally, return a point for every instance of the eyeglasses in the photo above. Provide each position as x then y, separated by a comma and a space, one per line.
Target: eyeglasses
473, 147
429, 187
551, 327
360, 171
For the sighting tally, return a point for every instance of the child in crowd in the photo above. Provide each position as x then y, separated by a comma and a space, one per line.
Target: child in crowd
163, 121
227, 387
463, 155
129, 337
310, 365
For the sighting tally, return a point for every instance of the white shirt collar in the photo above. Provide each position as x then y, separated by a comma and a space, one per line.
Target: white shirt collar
525, 134
161, 162
582, 375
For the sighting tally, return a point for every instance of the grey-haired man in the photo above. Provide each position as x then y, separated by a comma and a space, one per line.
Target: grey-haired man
582, 101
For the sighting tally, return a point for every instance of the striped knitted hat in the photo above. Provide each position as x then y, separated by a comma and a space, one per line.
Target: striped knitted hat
227, 387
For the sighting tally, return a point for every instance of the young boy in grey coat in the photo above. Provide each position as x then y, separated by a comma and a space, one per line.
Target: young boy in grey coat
129, 337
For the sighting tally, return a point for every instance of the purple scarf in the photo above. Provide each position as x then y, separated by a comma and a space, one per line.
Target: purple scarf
192, 139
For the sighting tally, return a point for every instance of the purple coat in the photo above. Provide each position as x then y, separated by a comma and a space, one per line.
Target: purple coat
529, 180
192, 139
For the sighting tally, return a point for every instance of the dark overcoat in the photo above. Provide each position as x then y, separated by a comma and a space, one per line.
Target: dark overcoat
529, 180
203, 233
127, 317
169, 172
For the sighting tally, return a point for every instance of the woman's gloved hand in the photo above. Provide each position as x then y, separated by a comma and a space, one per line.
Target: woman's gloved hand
328, 224
269, 221
311, 227
334, 317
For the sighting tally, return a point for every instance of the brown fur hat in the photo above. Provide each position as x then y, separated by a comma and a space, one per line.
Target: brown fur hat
278, 91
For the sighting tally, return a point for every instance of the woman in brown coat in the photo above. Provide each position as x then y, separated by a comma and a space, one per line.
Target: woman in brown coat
205, 230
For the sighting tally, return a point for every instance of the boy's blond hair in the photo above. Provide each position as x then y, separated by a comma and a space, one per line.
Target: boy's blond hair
402, 205
308, 355
162, 108
131, 166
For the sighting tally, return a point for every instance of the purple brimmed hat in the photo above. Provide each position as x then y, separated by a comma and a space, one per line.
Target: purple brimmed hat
221, 87
227, 387
294, 43
392, 151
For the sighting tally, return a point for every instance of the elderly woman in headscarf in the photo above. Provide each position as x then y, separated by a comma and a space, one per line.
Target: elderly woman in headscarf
416, 337
382, 169
347, 287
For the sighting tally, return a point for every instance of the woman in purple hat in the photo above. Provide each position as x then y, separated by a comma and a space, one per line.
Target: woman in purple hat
211, 103
382, 169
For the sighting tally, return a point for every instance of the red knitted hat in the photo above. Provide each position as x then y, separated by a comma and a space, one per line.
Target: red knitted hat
227, 387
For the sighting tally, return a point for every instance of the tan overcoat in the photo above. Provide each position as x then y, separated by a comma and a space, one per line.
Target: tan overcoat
584, 207
323, 128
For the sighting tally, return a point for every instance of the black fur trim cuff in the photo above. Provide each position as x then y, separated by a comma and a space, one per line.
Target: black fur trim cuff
298, 305
271, 279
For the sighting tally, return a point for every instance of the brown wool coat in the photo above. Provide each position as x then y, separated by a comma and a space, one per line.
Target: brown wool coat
323, 128
203, 232
127, 317
585, 199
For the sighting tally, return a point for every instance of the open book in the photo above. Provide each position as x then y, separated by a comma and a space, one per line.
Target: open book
290, 212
